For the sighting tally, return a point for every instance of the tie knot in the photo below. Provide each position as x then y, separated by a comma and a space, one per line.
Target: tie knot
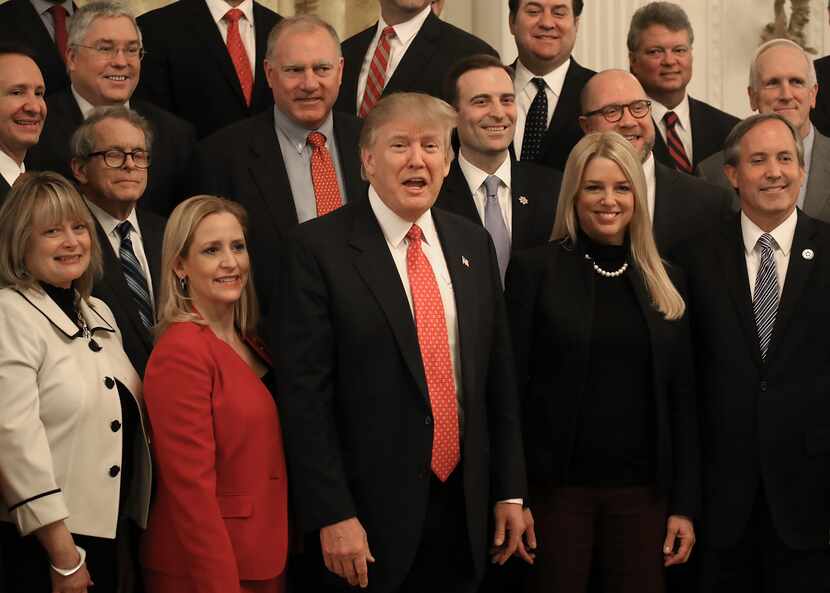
415, 233
491, 186
233, 15
670, 118
539, 82
765, 242
316, 139
388, 32
123, 229
57, 11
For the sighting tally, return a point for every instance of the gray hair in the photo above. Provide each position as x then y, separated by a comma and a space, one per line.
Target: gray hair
732, 145
754, 76
668, 14
303, 23
85, 15
83, 139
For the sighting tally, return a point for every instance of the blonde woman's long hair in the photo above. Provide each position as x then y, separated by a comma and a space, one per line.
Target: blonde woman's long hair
175, 304
612, 146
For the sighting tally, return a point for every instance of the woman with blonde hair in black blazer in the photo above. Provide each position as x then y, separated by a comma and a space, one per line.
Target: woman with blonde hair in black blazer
605, 377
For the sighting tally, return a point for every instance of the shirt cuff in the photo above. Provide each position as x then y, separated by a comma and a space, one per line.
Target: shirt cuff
518, 501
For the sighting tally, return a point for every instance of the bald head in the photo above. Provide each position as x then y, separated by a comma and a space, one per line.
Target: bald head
617, 88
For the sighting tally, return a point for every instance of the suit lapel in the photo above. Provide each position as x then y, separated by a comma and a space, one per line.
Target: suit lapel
456, 195
523, 200
261, 40
416, 57
354, 54
817, 196
30, 22
4, 189
567, 108
701, 139
664, 205
349, 160
375, 265
152, 240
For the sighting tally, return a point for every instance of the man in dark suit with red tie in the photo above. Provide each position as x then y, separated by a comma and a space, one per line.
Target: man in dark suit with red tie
204, 61
396, 386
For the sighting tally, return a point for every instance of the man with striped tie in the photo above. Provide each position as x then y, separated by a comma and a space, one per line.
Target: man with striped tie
758, 288
111, 152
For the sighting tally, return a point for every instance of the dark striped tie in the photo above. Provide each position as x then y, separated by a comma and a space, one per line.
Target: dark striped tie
134, 276
765, 300
675, 146
536, 123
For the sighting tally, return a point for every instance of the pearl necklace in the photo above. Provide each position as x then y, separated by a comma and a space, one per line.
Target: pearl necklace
606, 273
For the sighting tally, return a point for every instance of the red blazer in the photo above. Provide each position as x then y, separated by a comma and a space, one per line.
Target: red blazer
220, 509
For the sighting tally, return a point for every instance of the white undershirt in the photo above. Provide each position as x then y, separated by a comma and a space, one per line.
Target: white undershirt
219, 8
782, 244
526, 91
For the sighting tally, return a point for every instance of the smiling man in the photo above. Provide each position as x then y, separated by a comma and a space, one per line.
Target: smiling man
295, 161
660, 40
22, 112
104, 64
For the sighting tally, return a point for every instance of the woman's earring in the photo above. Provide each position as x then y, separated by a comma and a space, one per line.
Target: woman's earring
183, 283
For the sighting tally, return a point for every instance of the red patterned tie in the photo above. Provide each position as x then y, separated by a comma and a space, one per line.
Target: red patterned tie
675, 146
376, 79
323, 175
435, 354
59, 20
239, 56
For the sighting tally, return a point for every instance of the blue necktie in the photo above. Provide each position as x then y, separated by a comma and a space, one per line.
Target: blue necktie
134, 276
494, 223
765, 301
536, 123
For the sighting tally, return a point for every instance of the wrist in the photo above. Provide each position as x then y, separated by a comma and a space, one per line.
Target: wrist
66, 569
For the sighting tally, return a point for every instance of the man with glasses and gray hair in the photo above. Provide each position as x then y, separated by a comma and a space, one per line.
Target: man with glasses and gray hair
104, 62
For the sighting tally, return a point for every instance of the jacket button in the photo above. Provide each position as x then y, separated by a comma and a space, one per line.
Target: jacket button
763, 385
109, 383
115, 426
94, 346
428, 420
114, 471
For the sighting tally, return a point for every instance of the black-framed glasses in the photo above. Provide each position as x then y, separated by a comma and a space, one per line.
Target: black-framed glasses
613, 113
114, 158
109, 52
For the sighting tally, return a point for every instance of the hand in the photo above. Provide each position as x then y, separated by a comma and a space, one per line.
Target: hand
678, 527
511, 525
346, 551
74, 583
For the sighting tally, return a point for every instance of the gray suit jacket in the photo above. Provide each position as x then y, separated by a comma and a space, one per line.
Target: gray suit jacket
817, 198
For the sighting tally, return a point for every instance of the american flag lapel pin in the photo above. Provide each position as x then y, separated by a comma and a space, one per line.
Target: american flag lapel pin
465, 261
523, 200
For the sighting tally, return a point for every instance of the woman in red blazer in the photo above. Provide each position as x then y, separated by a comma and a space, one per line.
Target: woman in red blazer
219, 518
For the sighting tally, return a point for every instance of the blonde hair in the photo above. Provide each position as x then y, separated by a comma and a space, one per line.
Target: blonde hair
35, 197
614, 147
175, 304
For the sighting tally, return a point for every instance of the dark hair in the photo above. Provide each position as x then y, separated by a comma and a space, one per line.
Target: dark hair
464, 65
513, 5
9, 48
732, 144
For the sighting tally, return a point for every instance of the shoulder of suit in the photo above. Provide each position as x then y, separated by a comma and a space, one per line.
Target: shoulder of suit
102, 309
536, 171
148, 219
240, 131
162, 120
347, 123
186, 335
359, 38
712, 112
461, 39
579, 71
263, 12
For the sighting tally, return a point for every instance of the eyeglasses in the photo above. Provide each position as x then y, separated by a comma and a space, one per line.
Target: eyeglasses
613, 113
110, 52
115, 158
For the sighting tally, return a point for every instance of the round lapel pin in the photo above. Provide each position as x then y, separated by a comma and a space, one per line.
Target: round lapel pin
808, 254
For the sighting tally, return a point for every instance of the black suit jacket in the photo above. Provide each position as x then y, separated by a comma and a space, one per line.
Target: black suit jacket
173, 143
550, 300
244, 163
764, 423
685, 206
424, 67
820, 115
710, 127
353, 394
535, 191
4, 189
19, 22
188, 71
112, 288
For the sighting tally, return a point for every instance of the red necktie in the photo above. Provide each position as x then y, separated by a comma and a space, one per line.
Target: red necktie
675, 146
239, 56
59, 21
376, 79
323, 175
435, 354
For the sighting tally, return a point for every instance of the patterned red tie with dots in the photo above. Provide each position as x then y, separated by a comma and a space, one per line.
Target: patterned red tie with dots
376, 79
323, 175
239, 56
435, 354
675, 146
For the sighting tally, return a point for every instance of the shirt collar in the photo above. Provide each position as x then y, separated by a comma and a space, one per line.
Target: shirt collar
395, 228
9, 168
408, 29
219, 8
108, 222
475, 177
42, 6
659, 111
85, 106
298, 135
783, 233
555, 79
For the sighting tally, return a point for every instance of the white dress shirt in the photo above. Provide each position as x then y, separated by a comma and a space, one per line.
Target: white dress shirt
108, 222
475, 179
218, 10
404, 36
651, 184
684, 122
526, 91
782, 243
9, 168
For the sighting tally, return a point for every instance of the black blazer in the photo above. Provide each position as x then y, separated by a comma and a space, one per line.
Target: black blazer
710, 127
4, 189
685, 206
424, 67
173, 143
820, 115
188, 71
353, 395
763, 422
20, 23
550, 293
112, 288
244, 163
535, 191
